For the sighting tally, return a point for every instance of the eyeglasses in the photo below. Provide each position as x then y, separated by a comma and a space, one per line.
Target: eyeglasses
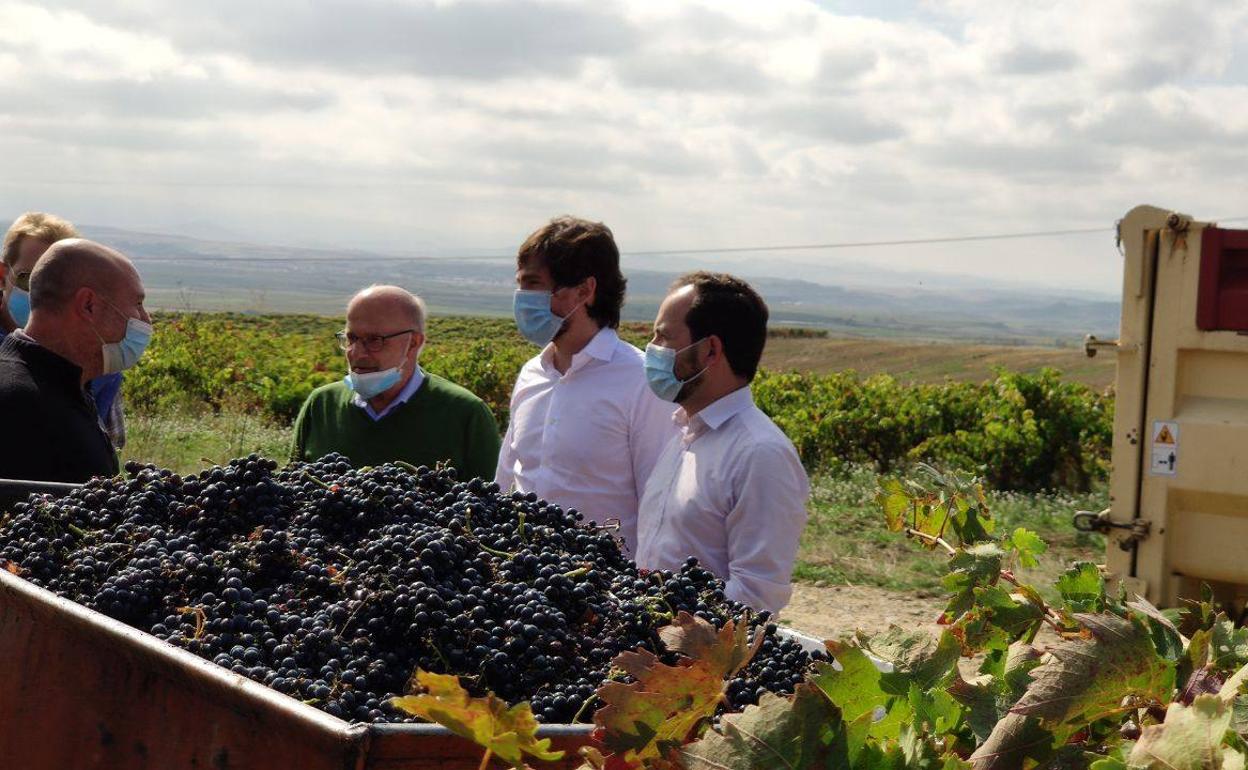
372, 342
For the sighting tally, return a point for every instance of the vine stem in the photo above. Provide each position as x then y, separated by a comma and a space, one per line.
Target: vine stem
581, 711
932, 540
481, 545
310, 477
485, 760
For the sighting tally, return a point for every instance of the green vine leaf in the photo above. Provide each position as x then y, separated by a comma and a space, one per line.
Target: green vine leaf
856, 689
1086, 678
1166, 637
1082, 588
1228, 645
507, 732
996, 620
778, 732
1027, 545
973, 567
1005, 676
916, 658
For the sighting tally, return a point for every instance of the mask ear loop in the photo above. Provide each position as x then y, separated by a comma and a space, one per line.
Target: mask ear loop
691, 378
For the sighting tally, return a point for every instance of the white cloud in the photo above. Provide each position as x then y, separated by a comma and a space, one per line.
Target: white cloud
700, 123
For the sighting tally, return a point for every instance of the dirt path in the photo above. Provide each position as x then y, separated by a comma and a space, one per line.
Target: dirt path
832, 611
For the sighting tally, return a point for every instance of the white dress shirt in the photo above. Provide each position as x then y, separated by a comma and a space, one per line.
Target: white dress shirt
409, 390
588, 438
730, 490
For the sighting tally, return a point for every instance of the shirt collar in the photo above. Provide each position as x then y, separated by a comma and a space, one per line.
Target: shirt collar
64, 370
600, 347
409, 390
714, 414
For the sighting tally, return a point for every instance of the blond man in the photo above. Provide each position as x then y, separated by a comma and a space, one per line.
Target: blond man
31, 235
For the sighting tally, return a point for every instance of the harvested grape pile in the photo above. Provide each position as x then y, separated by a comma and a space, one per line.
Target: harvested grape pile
333, 585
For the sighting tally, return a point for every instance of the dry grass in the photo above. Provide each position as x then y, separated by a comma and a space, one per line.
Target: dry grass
912, 361
846, 543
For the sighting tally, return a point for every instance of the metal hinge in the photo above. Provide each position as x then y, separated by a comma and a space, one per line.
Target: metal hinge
1091, 345
1090, 521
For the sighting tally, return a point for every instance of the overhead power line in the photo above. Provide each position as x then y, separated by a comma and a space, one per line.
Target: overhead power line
966, 238
868, 244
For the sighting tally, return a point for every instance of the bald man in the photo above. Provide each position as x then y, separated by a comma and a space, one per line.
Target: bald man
387, 408
86, 319
25, 242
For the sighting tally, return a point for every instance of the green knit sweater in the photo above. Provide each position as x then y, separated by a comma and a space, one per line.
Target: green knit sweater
440, 422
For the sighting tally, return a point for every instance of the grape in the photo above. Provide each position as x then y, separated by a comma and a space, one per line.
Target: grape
333, 584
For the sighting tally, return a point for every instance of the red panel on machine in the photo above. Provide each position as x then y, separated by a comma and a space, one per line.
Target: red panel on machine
1222, 302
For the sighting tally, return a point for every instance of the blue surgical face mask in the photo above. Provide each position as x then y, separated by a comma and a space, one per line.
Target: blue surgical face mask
534, 318
661, 371
125, 353
371, 384
19, 305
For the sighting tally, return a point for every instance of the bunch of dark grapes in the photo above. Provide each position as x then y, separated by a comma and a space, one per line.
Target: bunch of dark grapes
333, 584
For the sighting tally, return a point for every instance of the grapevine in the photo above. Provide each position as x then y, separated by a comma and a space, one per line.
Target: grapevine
1115, 683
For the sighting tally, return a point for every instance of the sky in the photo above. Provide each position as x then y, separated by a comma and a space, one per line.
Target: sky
459, 126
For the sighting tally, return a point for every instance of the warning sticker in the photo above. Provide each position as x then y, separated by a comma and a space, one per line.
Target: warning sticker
1165, 449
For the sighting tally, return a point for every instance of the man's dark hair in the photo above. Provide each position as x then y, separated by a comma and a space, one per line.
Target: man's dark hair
729, 308
575, 249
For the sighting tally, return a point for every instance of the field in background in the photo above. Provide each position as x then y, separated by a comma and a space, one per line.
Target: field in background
928, 362
1018, 430
217, 386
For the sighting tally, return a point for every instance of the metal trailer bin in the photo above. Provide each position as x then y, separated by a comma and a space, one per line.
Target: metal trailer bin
1178, 514
81, 690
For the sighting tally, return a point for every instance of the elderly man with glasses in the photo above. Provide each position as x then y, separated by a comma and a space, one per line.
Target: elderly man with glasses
387, 408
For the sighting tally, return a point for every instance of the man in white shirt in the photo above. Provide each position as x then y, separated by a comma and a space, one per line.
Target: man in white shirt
729, 489
585, 430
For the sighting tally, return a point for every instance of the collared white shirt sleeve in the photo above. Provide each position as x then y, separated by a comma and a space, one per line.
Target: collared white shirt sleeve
504, 476
652, 428
764, 528
730, 491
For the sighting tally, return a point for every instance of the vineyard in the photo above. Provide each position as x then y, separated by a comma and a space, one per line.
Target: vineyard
396, 594
1018, 431
399, 594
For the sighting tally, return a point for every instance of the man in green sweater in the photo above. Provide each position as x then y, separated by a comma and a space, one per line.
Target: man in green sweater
387, 408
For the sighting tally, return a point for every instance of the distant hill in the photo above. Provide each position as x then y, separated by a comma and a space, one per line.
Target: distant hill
190, 273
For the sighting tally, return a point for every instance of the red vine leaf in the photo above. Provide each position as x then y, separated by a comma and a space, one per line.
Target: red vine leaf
1086, 678
1015, 738
725, 650
649, 718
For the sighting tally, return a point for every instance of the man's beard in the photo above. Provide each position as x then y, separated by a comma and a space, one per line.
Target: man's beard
688, 390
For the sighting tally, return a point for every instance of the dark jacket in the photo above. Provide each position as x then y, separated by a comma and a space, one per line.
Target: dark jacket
52, 431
